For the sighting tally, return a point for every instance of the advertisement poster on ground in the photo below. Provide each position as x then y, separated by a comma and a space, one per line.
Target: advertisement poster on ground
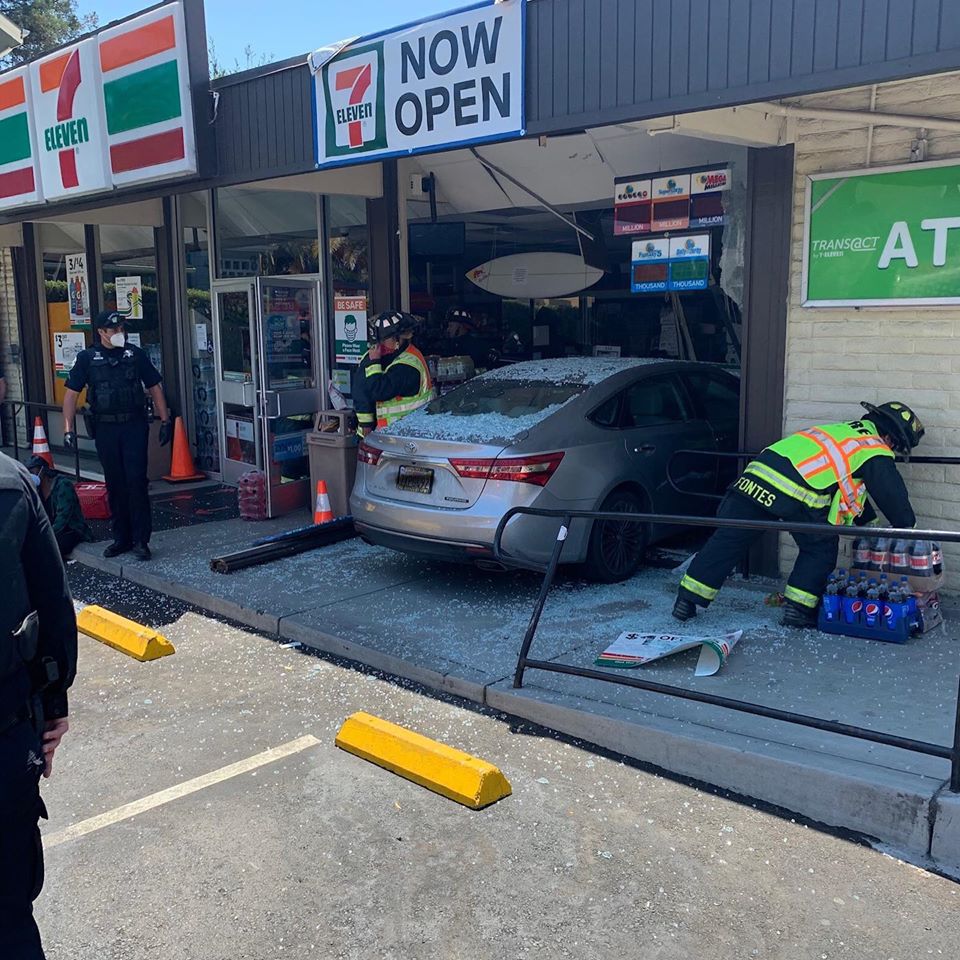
455, 79
66, 346
350, 328
632, 649
78, 293
130, 297
883, 237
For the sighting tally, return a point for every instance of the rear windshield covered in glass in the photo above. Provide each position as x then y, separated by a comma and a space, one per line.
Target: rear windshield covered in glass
509, 398
484, 410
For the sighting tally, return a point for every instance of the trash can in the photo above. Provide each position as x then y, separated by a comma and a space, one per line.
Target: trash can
333, 457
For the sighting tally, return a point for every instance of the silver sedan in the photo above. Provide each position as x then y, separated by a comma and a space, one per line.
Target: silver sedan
580, 433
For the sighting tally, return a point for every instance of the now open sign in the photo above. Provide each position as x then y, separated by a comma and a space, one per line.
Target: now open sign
450, 81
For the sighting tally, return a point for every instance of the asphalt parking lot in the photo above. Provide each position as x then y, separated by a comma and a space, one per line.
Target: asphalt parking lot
259, 839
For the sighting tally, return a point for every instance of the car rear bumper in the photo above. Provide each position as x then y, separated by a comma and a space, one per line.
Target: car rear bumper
468, 535
455, 551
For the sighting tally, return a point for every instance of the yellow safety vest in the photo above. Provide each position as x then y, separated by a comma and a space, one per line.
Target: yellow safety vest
389, 411
826, 456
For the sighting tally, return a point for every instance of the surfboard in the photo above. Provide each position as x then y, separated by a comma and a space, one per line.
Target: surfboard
525, 275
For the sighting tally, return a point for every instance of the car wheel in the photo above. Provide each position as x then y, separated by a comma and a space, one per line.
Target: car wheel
616, 548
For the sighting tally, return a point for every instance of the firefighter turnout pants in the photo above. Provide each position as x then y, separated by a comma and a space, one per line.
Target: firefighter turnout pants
21, 855
715, 562
122, 448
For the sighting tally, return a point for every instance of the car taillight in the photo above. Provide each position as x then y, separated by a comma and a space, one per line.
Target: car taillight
368, 454
537, 469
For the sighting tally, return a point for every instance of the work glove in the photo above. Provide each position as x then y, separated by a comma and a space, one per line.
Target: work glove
166, 432
69, 439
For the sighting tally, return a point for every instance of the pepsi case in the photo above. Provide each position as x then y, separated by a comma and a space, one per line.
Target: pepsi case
892, 615
871, 610
831, 604
852, 606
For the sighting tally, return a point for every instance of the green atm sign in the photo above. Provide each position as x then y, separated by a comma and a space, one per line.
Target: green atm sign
883, 237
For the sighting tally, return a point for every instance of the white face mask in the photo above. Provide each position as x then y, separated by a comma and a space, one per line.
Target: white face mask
118, 339
35, 477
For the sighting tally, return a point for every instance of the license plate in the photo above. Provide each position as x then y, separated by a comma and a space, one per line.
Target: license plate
415, 479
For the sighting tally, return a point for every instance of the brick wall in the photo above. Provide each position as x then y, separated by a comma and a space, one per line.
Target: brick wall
837, 357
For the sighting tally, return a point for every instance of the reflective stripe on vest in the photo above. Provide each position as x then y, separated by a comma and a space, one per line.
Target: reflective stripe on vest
828, 456
389, 411
809, 498
836, 457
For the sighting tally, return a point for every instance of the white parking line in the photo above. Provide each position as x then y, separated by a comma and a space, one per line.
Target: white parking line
154, 800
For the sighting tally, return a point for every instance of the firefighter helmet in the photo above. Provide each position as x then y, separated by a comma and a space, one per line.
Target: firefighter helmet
899, 422
389, 324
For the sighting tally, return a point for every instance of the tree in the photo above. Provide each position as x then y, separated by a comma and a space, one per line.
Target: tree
49, 24
219, 68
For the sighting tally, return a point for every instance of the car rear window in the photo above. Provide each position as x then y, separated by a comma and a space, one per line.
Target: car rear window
487, 410
508, 398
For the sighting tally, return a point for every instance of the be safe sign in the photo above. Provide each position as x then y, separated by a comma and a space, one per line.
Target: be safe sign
439, 83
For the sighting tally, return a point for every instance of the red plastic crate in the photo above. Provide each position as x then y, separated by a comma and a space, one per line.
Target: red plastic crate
93, 500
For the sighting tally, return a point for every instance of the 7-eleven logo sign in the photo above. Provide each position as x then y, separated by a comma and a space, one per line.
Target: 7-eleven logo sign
355, 111
67, 114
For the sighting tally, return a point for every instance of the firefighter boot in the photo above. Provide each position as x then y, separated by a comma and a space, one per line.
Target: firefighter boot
684, 609
797, 615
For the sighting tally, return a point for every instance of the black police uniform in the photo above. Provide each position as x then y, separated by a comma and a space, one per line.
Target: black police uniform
33, 580
115, 378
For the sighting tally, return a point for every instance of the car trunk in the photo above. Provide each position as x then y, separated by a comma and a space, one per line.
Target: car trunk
424, 475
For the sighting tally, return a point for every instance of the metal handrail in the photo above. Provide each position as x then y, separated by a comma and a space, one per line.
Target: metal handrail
747, 455
27, 405
525, 662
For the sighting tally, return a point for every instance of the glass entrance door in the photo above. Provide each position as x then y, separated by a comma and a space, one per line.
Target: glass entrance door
238, 377
290, 367
270, 360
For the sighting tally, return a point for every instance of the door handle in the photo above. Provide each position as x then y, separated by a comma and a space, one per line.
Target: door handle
645, 448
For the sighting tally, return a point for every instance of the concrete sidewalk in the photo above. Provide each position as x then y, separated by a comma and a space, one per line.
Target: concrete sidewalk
459, 629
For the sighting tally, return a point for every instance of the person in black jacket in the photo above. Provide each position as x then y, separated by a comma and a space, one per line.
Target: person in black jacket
823, 474
393, 378
38, 661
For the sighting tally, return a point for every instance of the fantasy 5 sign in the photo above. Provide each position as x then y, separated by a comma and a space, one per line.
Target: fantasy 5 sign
111, 110
883, 237
454, 80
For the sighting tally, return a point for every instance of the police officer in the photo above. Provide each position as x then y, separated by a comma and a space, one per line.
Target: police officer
115, 374
38, 660
393, 378
819, 475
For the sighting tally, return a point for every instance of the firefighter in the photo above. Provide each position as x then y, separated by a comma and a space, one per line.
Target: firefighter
393, 378
116, 373
38, 661
819, 475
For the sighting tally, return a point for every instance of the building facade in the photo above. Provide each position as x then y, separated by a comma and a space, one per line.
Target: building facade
254, 266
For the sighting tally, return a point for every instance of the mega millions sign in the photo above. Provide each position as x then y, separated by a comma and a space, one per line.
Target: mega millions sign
111, 110
439, 83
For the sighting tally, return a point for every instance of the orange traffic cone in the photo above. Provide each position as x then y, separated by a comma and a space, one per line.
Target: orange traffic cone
181, 464
41, 448
322, 513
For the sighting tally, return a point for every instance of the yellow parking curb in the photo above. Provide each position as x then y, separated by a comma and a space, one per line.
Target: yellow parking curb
122, 634
452, 773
